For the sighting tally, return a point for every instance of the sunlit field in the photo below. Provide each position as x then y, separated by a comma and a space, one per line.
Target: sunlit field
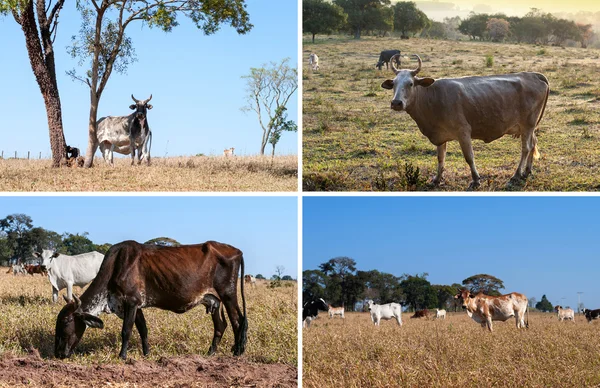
194, 173
352, 140
454, 352
177, 341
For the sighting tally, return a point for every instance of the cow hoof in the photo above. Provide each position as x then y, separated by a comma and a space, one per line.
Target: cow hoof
436, 181
474, 186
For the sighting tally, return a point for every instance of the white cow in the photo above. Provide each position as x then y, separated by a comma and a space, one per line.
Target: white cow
67, 271
563, 314
440, 314
313, 61
333, 311
385, 311
18, 269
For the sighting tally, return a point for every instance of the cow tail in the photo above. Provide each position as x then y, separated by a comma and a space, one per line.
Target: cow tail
244, 321
527, 318
536, 153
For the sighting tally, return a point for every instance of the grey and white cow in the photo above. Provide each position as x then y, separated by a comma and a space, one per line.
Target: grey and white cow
484, 108
126, 134
66, 271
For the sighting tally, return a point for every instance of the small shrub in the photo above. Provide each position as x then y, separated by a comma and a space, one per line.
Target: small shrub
489, 60
541, 52
457, 62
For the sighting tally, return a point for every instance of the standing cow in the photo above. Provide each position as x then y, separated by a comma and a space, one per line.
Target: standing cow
385, 312
563, 314
386, 56
313, 61
484, 108
126, 134
484, 309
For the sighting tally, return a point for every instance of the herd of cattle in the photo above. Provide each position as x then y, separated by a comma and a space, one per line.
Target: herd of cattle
466, 108
483, 309
133, 276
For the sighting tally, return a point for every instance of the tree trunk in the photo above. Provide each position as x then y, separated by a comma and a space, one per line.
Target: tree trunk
92, 127
357, 33
315, 34
273, 151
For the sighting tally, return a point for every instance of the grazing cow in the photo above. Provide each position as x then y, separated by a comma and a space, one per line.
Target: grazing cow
485, 308
125, 134
311, 309
228, 152
421, 314
386, 56
385, 312
72, 152
484, 108
590, 315
563, 314
135, 276
33, 269
67, 271
440, 314
333, 311
313, 61
249, 279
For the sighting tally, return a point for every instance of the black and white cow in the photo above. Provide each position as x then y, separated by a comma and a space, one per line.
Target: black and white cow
125, 134
590, 315
310, 310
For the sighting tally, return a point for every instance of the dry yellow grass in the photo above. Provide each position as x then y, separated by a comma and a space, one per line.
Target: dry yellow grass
197, 173
28, 318
454, 352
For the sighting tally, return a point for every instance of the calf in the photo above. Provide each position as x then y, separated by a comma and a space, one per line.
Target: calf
421, 314
333, 311
33, 269
440, 314
135, 276
563, 314
590, 315
313, 61
18, 269
228, 152
385, 312
385, 57
311, 309
249, 279
485, 308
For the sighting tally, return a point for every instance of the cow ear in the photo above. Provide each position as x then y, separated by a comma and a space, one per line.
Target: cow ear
36, 254
148, 106
55, 254
425, 82
388, 84
132, 106
91, 320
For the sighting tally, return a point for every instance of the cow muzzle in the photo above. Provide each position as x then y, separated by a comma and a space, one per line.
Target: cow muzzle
397, 105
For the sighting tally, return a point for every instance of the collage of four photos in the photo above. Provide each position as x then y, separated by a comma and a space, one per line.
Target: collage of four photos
301, 193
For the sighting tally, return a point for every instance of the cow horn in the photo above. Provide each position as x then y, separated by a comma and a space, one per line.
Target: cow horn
148, 100
77, 302
418, 69
392, 60
134, 99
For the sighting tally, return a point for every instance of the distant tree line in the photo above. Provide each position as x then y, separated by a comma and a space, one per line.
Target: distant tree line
379, 17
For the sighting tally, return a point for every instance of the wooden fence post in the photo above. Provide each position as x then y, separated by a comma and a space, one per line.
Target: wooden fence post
15, 154
28, 154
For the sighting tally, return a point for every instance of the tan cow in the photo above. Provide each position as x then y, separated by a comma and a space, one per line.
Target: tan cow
249, 279
228, 152
333, 311
485, 308
462, 109
563, 314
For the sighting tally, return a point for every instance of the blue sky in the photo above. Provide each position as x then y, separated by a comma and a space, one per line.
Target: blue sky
195, 82
536, 245
264, 228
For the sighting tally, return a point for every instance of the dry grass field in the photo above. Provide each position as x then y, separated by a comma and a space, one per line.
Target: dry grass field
454, 352
195, 173
353, 141
178, 343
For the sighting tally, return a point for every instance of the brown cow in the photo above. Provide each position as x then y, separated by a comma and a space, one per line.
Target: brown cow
135, 276
33, 269
485, 308
421, 314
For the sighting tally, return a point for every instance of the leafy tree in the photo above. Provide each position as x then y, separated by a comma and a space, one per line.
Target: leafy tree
40, 238
278, 125
445, 295
418, 292
287, 277
586, 33
497, 29
314, 282
259, 276
379, 20
544, 304
381, 287
437, 30
409, 19
163, 242
565, 29
532, 302
474, 26
102, 40
103, 248
75, 244
268, 90
16, 228
485, 283
39, 23
358, 13
321, 17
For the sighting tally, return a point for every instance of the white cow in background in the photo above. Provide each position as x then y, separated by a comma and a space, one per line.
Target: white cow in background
67, 271
440, 314
18, 269
385, 311
313, 61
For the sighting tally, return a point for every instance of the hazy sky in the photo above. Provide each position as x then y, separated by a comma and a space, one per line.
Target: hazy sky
264, 228
194, 79
536, 245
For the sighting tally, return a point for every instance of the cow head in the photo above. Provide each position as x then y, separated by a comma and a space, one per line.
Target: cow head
404, 84
46, 256
466, 296
141, 108
70, 326
370, 304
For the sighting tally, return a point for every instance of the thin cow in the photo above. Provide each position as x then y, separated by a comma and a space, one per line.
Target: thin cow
484, 108
563, 314
485, 308
135, 276
126, 134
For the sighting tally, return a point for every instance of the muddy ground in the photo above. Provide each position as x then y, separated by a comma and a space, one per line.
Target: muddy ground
191, 371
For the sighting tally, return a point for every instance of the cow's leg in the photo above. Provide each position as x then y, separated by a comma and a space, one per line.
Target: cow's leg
112, 154
526, 148
531, 155
70, 291
488, 322
441, 155
54, 295
399, 320
129, 313
467, 150
236, 317
140, 325
219, 324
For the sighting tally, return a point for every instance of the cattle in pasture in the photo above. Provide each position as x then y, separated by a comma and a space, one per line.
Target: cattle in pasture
385, 312
385, 57
333, 311
72, 152
66, 271
228, 152
313, 61
440, 314
484, 108
421, 314
33, 269
590, 315
311, 308
17, 269
135, 276
563, 314
484, 309
249, 279
126, 134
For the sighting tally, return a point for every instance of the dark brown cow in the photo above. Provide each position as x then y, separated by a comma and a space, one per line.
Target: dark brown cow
421, 314
33, 269
134, 276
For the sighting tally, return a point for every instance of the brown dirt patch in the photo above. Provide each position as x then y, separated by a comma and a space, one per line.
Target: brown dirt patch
190, 371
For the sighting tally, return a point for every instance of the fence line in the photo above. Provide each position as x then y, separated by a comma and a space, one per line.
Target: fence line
23, 158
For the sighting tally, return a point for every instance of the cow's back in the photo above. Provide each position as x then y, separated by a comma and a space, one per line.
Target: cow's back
113, 129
